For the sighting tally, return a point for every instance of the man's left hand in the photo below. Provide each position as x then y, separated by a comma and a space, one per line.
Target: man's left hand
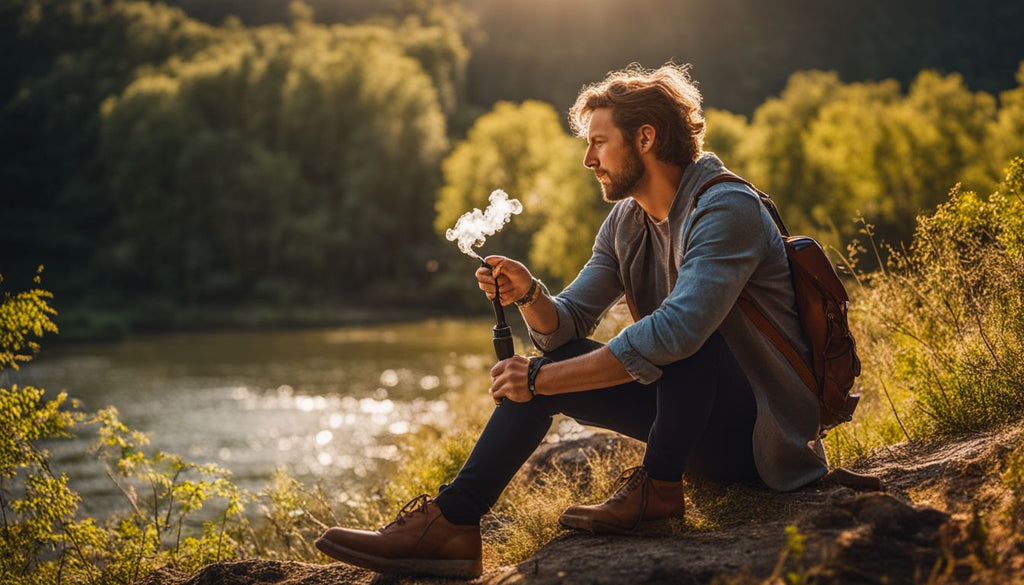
508, 380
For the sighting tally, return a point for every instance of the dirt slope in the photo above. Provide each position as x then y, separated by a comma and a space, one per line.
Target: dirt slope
941, 518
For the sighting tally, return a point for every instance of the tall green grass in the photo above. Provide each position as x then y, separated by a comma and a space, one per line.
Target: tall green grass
941, 326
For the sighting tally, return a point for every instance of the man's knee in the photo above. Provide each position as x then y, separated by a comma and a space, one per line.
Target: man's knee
537, 407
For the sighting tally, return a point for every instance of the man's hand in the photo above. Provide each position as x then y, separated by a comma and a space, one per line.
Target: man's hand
508, 380
514, 279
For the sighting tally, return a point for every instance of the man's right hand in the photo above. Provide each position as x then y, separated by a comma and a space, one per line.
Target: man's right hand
514, 279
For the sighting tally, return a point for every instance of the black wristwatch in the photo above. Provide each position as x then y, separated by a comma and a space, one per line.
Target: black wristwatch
536, 363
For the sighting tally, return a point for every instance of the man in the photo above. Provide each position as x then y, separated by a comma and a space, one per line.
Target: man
692, 377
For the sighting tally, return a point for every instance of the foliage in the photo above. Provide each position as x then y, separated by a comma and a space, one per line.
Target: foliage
24, 316
524, 150
941, 326
292, 516
62, 58
429, 464
526, 517
172, 163
938, 325
726, 131
250, 152
829, 151
167, 168
37, 506
743, 52
1013, 479
45, 539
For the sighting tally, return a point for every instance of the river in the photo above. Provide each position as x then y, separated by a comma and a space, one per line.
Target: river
327, 405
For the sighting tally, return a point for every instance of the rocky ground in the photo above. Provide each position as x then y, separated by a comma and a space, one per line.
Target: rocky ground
941, 518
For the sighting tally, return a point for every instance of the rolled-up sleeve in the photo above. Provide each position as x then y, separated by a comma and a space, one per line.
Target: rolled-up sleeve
582, 304
728, 240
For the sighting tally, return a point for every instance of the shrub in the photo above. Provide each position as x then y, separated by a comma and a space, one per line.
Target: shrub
942, 324
44, 537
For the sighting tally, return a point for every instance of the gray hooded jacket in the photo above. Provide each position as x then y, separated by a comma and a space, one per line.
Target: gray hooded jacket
724, 245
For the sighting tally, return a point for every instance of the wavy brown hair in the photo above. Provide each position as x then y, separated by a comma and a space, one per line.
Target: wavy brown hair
666, 98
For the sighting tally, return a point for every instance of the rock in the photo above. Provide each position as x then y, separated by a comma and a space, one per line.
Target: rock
889, 516
572, 456
856, 481
260, 572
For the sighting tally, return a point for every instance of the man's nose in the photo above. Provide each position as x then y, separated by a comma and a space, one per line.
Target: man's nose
589, 160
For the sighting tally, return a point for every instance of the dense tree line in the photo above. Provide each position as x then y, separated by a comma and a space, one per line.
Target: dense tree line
830, 152
154, 161
744, 51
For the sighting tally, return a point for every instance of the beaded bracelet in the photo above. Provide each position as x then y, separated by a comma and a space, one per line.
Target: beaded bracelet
531, 296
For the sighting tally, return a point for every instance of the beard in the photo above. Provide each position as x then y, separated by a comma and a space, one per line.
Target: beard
622, 185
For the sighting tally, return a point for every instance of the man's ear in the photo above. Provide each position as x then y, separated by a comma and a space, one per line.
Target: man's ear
645, 138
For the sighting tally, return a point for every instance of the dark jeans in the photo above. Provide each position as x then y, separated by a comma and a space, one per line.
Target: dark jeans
698, 418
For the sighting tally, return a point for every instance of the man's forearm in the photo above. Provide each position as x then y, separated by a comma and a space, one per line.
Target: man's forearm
541, 316
597, 369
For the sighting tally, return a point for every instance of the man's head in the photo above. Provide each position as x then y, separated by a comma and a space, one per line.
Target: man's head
656, 112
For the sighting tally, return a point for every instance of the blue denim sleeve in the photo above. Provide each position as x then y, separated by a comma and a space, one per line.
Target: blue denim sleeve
725, 245
582, 304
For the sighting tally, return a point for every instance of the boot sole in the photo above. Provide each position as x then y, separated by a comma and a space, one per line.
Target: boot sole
464, 568
662, 526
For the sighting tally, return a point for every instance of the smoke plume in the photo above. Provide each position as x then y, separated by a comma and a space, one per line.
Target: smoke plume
472, 229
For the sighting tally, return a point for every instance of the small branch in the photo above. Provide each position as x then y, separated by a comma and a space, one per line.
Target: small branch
123, 491
896, 414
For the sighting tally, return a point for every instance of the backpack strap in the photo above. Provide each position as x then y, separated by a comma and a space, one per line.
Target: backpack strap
785, 348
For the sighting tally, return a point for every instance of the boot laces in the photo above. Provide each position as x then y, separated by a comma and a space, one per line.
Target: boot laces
414, 506
629, 480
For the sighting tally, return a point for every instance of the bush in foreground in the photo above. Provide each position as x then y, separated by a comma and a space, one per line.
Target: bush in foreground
941, 326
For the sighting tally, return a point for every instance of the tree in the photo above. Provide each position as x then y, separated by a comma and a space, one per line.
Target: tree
524, 150
276, 165
725, 132
774, 155
1004, 138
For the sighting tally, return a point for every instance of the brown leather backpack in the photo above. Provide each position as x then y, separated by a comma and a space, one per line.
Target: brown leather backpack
822, 305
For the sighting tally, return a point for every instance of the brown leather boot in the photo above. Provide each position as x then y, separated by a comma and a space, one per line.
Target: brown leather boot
419, 541
640, 504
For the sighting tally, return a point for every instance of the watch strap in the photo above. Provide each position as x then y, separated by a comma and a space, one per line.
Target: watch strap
536, 363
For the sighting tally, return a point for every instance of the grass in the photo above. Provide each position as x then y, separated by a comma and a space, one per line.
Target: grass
941, 326
526, 517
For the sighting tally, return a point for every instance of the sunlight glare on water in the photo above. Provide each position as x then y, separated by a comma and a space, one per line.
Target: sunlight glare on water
328, 405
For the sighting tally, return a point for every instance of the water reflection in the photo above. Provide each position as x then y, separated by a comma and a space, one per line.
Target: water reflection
328, 405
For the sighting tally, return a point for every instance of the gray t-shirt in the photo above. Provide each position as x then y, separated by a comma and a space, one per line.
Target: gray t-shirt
664, 275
